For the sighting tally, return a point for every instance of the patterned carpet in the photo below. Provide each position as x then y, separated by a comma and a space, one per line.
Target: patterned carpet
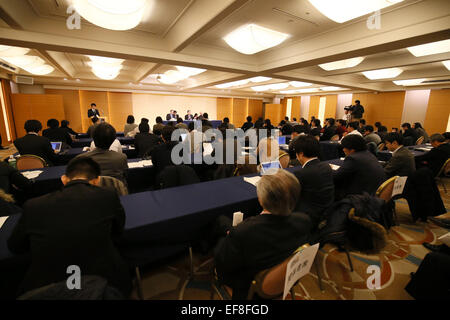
398, 259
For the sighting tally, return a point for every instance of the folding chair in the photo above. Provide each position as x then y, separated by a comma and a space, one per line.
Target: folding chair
284, 159
420, 140
30, 162
381, 147
385, 192
335, 138
445, 171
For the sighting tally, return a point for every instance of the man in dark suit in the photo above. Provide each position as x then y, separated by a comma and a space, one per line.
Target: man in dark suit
329, 130
436, 157
357, 110
410, 134
171, 115
10, 176
360, 172
402, 162
247, 125
55, 133
93, 112
262, 241
33, 144
161, 154
145, 141
112, 163
315, 177
77, 225
189, 116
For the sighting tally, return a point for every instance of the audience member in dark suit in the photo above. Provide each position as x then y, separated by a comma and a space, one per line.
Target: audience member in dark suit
402, 162
206, 124
299, 130
361, 172
112, 163
32, 143
409, 133
90, 131
329, 130
341, 128
371, 136
259, 123
315, 177
265, 240
66, 128
436, 157
316, 128
247, 125
55, 133
382, 132
10, 176
77, 225
145, 141
161, 154
158, 126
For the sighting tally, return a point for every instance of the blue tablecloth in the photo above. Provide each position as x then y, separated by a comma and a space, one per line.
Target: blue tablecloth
86, 142
387, 155
215, 123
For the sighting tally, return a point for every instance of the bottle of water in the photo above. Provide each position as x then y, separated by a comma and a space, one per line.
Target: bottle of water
12, 162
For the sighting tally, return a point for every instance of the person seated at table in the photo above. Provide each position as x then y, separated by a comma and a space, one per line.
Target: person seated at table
33, 144
447, 137
226, 121
188, 116
113, 164
145, 141
261, 241
352, 129
362, 126
158, 126
315, 177
402, 162
341, 128
66, 128
316, 128
180, 124
329, 130
77, 225
377, 126
361, 172
421, 132
195, 137
206, 124
161, 154
382, 132
287, 129
409, 134
298, 131
170, 115
55, 133
11, 179
115, 146
90, 130
259, 123
130, 126
436, 157
248, 124
268, 149
371, 136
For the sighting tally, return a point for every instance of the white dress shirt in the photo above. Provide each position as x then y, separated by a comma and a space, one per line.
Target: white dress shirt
115, 146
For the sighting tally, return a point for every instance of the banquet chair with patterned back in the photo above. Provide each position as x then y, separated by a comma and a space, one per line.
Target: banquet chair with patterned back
420, 140
284, 159
30, 162
381, 147
335, 138
384, 192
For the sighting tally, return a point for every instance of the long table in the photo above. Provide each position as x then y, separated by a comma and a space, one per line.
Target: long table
85, 135
416, 151
215, 123
86, 142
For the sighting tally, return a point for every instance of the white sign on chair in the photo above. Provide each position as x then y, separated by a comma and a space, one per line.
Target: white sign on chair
399, 185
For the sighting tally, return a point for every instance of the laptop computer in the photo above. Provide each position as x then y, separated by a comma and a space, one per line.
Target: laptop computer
268, 166
281, 140
56, 146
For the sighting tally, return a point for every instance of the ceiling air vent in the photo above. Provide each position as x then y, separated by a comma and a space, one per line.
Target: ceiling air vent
435, 81
7, 67
23, 80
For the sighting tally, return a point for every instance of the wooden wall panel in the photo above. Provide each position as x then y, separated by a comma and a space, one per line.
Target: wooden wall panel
36, 106
314, 107
438, 111
6, 92
273, 112
295, 109
255, 109
71, 100
224, 108
330, 106
100, 98
240, 111
120, 107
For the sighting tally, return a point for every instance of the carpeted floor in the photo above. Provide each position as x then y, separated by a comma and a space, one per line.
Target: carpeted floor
397, 260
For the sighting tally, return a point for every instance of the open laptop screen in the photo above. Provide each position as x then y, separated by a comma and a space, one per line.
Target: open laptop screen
56, 146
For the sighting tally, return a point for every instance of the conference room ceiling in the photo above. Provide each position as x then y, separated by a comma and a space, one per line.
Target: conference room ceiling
190, 33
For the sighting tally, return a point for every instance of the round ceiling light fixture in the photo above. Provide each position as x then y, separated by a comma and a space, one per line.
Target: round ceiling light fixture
112, 14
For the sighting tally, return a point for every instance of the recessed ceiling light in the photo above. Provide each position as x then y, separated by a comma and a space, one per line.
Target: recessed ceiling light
251, 38
112, 14
341, 64
261, 88
382, 73
299, 84
7, 51
259, 79
345, 10
410, 82
446, 64
430, 48
189, 72
232, 84
279, 86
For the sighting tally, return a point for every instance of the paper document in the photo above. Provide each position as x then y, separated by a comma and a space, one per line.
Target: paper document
334, 166
424, 149
237, 218
147, 163
445, 239
135, 165
32, 174
2, 221
252, 180
85, 149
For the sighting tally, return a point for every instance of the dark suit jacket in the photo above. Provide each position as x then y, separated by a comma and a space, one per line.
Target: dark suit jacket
161, 156
57, 134
328, 133
145, 142
170, 116
360, 172
258, 243
93, 113
36, 145
435, 158
247, 125
401, 164
10, 176
74, 226
112, 163
317, 189
411, 133
189, 117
